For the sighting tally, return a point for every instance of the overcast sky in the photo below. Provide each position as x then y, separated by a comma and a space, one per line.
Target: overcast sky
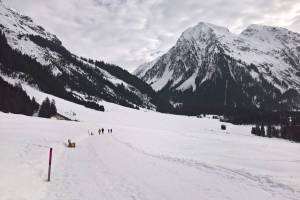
131, 32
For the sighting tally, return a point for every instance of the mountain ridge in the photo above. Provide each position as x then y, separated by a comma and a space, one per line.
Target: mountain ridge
262, 62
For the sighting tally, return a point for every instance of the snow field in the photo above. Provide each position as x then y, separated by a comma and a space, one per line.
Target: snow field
148, 156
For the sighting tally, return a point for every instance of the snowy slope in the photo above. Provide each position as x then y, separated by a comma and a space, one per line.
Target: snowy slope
148, 156
71, 73
17, 26
261, 58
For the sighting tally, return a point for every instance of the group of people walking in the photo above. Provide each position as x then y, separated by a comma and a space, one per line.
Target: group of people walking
101, 131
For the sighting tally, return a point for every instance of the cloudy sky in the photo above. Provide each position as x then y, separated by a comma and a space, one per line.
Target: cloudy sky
131, 32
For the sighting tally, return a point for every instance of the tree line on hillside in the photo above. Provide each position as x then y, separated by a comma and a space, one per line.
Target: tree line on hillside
13, 99
289, 128
82, 84
271, 131
163, 105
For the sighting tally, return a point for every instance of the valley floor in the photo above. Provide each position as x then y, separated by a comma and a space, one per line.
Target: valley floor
148, 156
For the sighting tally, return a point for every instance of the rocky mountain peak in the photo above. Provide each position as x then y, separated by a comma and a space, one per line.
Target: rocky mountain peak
14, 23
262, 62
203, 30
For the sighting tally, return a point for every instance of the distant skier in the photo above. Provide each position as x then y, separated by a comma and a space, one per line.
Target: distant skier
99, 131
102, 130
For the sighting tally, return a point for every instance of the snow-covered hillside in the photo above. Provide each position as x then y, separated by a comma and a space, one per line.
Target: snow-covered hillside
261, 63
148, 156
38, 57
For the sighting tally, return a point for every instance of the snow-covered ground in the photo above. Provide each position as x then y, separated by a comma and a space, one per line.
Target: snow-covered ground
148, 156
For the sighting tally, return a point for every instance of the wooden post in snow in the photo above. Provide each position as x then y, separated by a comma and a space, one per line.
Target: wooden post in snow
50, 161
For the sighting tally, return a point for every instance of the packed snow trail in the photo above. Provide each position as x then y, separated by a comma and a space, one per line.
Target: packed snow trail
104, 167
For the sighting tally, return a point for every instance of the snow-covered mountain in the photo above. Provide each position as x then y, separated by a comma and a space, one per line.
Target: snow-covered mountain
29, 53
261, 66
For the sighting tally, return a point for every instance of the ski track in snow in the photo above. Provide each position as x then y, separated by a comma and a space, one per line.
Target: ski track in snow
93, 175
266, 183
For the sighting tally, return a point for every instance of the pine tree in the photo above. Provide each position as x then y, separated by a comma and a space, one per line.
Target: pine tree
258, 131
45, 109
269, 130
53, 110
262, 130
34, 104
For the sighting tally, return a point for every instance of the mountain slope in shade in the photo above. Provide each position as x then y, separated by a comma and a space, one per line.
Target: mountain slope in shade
31, 54
260, 66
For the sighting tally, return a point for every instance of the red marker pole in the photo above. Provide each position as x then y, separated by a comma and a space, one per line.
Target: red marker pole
50, 160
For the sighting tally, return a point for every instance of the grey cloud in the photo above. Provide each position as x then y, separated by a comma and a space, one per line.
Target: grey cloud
131, 32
